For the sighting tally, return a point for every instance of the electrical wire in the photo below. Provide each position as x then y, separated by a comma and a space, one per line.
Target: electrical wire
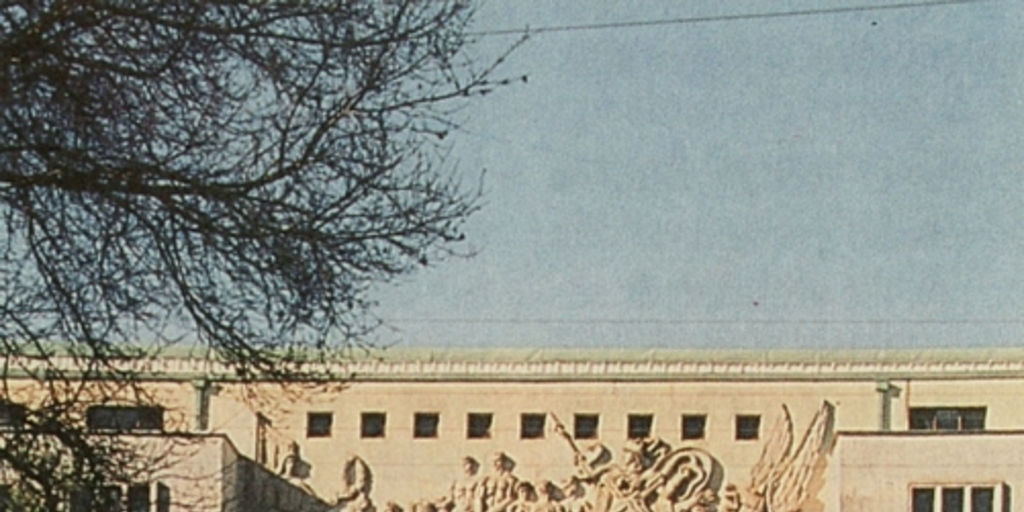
718, 18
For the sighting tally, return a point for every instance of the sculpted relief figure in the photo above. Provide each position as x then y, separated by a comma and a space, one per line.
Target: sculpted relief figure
358, 482
467, 492
546, 501
648, 476
575, 496
500, 485
295, 469
524, 498
781, 479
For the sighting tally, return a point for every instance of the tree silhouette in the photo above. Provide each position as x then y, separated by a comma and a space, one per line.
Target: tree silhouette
229, 172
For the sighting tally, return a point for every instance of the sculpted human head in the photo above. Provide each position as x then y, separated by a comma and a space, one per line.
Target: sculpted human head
501, 463
470, 465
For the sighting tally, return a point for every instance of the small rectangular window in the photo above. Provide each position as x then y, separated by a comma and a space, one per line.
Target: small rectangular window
952, 499
163, 498
923, 500
111, 499
638, 426
12, 416
478, 425
318, 424
372, 425
693, 426
972, 419
585, 426
5, 498
948, 419
531, 426
80, 501
138, 498
983, 499
425, 425
124, 418
748, 427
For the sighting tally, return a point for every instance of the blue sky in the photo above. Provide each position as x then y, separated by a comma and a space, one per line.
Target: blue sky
843, 180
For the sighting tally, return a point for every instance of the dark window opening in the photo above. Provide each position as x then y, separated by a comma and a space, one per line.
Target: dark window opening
638, 426
124, 418
948, 419
5, 498
163, 498
531, 426
748, 427
425, 424
373, 424
318, 424
585, 426
12, 416
983, 499
693, 426
923, 500
138, 498
478, 425
952, 499
109, 500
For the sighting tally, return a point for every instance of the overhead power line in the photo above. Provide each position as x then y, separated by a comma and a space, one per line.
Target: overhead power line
706, 321
719, 18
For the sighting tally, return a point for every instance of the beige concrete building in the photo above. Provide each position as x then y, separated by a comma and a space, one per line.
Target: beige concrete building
847, 431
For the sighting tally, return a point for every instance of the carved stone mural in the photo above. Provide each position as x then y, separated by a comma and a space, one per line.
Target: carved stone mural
648, 476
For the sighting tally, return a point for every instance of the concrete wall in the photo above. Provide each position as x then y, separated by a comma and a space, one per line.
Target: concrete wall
877, 472
406, 468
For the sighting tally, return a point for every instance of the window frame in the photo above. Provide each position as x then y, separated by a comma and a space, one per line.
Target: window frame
532, 425
315, 428
431, 420
932, 418
125, 418
639, 421
703, 430
477, 419
968, 496
369, 419
741, 432
586, 426
12, 416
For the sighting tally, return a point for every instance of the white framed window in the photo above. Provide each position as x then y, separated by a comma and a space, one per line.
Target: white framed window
981, 497
947, 418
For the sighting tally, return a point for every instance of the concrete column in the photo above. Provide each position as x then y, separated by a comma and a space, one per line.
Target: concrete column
885, 393
204, 388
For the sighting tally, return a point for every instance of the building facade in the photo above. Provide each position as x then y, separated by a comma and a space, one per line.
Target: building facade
608, 431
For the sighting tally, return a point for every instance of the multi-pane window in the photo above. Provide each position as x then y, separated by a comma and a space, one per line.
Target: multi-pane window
748, 427
531, 426
318, 424
585, 426
694, 425
372, 424
425, 424
116, 498
124, 418
638, 426
478, 425
947, 418
981, 498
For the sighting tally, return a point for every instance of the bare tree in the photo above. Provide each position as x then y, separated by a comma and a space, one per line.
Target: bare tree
237, 173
